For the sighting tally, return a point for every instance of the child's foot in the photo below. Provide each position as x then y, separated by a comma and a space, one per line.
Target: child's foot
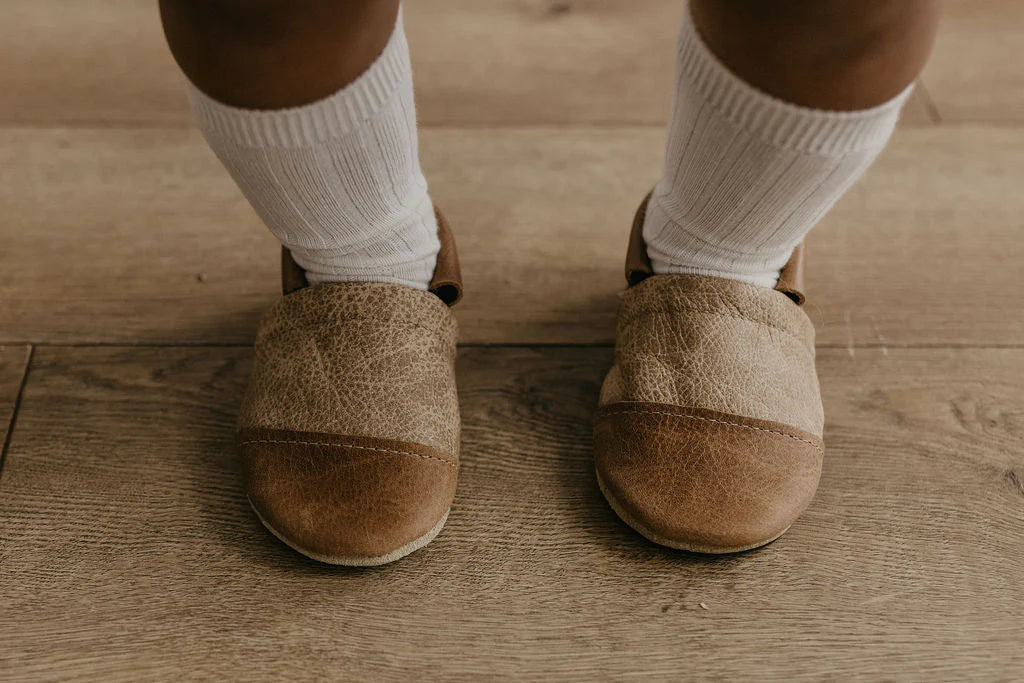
349, 432
709, 432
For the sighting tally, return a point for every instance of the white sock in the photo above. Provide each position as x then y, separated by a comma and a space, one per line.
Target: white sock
338, 181
748, 175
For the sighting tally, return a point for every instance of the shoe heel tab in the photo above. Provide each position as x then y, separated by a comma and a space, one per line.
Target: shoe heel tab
791, 277
446, 283
638, 265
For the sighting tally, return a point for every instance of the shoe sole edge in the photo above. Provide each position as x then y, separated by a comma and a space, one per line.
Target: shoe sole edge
357, 561
653, 537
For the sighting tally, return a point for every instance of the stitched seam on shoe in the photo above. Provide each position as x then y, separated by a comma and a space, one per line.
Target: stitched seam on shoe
711, 419
345, 445
651, 312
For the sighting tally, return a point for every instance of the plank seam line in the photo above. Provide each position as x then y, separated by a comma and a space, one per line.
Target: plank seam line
187, 125
485, 345
17, 407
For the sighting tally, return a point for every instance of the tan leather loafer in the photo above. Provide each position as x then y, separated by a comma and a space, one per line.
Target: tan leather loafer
709, 433
349, 431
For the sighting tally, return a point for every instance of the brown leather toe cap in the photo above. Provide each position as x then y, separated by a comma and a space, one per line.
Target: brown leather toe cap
345, 499
703, 480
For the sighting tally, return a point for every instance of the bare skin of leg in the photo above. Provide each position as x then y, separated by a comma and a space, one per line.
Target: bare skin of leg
825, 54
270, 54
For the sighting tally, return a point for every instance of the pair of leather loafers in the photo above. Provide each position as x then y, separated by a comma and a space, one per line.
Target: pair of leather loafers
707, 438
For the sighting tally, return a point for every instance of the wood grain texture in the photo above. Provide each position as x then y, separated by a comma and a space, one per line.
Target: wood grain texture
972, 75
13, 365
129, 552
490, 62
140, 236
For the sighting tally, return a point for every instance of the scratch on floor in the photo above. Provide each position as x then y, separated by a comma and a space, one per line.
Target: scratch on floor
882, 341
1015, 480
849, 334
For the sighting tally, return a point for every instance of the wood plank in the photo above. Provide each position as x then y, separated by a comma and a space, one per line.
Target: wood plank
496, 62
139, 236
13, 366
972, 75
129, 551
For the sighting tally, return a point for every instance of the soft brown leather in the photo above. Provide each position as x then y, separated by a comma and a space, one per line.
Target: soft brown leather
349, 429
366, 358
709, 430
293, 277
446, 282
791, 277
336, 495
638, 264
704, 478
719, 344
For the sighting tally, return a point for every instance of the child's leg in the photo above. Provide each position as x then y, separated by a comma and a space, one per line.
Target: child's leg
309, 105
780, 106
349, 430
710, 432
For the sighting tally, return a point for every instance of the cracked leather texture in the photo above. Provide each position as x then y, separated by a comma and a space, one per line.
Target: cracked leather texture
702, 479
708, 435
360, 358
723, 345
349, 429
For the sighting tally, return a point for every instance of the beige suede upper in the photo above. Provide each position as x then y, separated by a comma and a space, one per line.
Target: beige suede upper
716, 344
361, 359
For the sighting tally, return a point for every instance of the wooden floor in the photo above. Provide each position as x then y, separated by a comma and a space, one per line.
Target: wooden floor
133, 273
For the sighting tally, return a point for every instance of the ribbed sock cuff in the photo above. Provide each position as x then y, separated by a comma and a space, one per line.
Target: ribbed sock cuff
330, 118
782, 123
